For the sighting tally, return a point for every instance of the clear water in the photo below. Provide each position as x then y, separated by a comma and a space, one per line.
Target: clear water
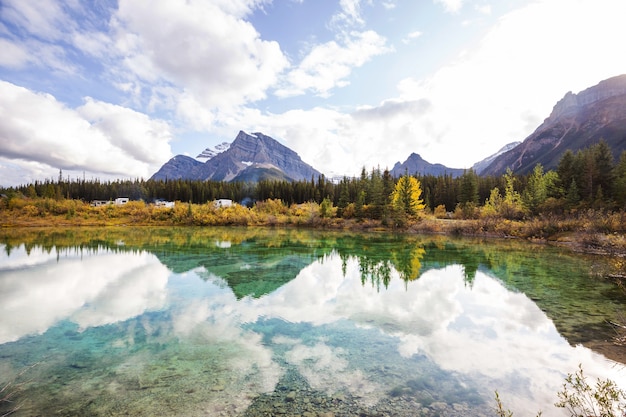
249, 322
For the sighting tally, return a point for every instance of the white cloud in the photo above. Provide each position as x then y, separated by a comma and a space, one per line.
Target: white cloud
329, 65
138, 136
45, 20
411, 36
96, 137
483, 8
451, 6
205, 48
349, 14
518, 72
492, 95
44, 31
13, 54
131, 285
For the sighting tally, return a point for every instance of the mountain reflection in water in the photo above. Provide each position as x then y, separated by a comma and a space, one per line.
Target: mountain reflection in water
219, 321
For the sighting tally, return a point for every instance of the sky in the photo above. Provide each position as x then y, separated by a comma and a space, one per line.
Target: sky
105, 89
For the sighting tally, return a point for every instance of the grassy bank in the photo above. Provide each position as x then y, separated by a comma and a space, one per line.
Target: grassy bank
589, 230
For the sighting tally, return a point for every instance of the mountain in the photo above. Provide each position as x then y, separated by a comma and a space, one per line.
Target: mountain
577, 121
178, 167
209, 153
416, 165
251, 157
480, 166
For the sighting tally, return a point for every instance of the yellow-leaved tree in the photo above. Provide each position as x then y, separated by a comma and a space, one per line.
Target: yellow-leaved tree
407, 194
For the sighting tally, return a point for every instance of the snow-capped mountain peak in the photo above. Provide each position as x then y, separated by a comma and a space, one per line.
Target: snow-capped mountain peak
209, 153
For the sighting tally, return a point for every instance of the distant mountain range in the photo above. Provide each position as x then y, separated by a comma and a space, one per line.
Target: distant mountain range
576, 122
415, 164
251, 157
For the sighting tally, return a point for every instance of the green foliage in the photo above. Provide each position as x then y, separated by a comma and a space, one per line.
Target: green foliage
468, 192
500, 410
580, 399
537, 188
326, 208
619, 187
587, 179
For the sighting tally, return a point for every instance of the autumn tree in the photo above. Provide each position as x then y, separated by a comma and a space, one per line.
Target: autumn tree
406, 195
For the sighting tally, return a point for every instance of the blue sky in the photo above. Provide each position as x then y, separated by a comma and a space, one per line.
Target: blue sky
113, 89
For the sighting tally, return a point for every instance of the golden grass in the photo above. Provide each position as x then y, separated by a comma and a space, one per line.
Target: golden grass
593, 229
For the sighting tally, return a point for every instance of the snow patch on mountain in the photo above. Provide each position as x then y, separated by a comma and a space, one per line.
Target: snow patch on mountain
209, 153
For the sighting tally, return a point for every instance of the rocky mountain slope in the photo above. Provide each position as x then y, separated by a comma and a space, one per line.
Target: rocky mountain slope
209, 153
415, 164
251, 157
480, 166
577, 121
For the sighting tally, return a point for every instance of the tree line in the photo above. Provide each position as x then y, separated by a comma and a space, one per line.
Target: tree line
588, 178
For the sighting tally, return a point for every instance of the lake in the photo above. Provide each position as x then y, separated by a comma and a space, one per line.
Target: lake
254, 322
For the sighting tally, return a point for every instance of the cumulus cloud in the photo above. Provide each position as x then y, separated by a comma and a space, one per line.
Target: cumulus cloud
494, 94
206, 47
131, 285
486, 97
97, 137
328, 65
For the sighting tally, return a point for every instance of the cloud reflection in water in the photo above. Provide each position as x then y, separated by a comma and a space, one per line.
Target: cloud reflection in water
487, 335
89, 289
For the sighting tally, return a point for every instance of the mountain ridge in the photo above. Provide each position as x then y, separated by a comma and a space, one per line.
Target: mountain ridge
577, 121
415, 164
262, 156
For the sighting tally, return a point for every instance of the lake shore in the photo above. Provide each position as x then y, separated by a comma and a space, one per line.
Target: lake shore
575, 233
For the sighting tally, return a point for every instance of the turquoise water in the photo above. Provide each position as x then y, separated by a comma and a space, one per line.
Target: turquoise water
246, 322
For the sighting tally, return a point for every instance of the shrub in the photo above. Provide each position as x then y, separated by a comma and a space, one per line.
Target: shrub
326, 208
271, 206
579, 398
440, 212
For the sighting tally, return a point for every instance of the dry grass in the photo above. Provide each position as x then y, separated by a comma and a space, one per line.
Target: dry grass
587, 230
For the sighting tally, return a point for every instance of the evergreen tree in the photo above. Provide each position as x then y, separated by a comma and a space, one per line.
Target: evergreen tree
619, 187
605, 174
536, 190
566, 170
376, 197
468, 192
572, 197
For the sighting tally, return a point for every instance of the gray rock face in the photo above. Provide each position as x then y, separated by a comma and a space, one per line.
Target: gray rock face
577, 121
571, 104
248, 151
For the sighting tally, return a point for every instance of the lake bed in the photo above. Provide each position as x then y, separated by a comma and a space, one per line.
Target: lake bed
245, 322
